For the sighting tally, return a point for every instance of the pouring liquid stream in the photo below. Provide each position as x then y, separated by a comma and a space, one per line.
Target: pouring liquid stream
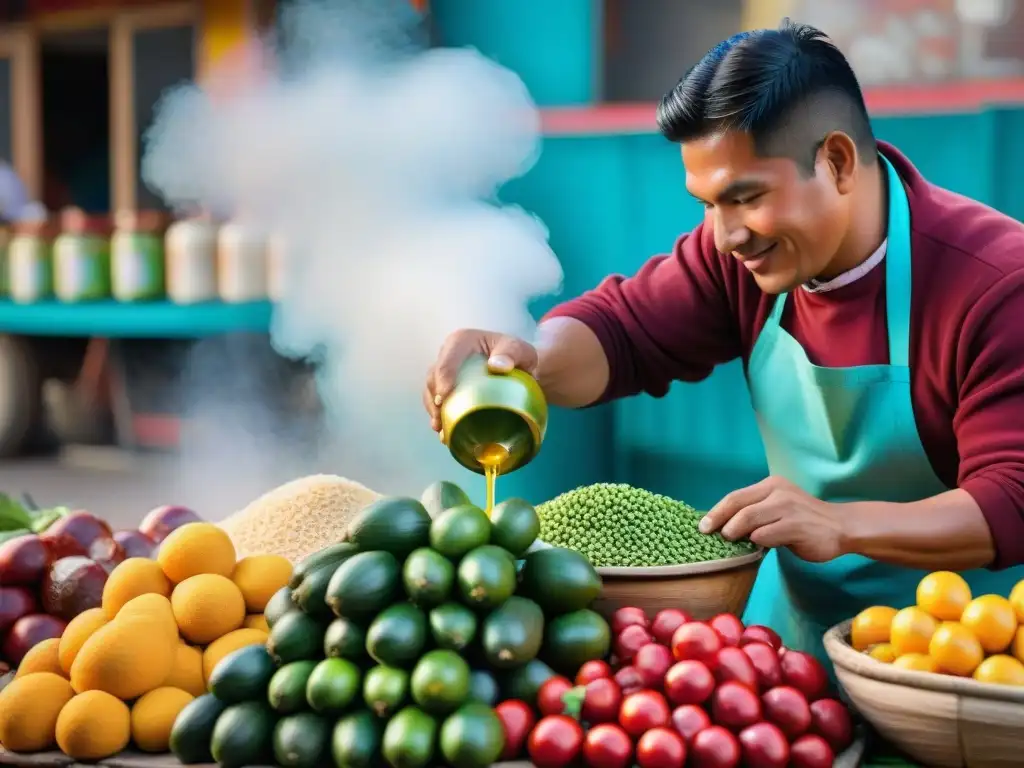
491, 457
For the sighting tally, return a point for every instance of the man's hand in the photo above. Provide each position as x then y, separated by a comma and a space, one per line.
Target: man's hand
776, 513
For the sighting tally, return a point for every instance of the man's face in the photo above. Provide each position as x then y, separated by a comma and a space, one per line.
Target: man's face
784, 226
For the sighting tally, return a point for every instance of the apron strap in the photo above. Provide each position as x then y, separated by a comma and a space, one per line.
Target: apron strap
897, 270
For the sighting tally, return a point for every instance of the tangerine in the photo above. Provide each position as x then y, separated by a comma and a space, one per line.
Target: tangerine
944, 595
1000, 669
1017, 646
882, 652
955, 649
992, 620
871, 626
1017, 600
916, 662
911, 631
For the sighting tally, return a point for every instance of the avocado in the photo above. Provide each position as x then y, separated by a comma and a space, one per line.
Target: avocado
472, 737
487, 577
512, 634
397, 636
514, 526
333, 686
443, 495
242, 675
458, 530
483, 687
523, 683
440, 682
296, 637
193, 727
243, 736
311, 594
364, 585
278, 605
385, 690
559, 580
286, 691
453, 626
356, 741
333, 554
574, 638
396, 525
428, 577
409, 739
301, 741
344, 639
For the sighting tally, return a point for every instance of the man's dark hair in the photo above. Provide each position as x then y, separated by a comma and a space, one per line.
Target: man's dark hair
787, 87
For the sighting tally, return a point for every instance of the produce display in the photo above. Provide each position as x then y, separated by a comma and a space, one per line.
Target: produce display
948, 631
124, 667
615, 524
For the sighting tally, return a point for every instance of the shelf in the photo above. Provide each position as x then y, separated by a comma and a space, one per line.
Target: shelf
144, 320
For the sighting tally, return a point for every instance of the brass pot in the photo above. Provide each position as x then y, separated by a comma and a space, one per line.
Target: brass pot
488, 409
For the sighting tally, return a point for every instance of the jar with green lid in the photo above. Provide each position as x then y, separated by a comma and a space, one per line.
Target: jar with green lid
137, 270
81, 258
29, 262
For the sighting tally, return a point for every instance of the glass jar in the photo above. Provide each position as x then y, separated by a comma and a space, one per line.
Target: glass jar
191, 260
137, 256
81, 258
30, 262
241, 263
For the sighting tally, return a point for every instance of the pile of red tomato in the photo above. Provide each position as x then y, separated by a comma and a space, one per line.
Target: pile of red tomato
679, 692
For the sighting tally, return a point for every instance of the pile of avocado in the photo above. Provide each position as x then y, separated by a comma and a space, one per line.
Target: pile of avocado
393, 646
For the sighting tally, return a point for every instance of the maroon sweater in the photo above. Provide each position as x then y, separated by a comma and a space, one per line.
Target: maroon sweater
686, 312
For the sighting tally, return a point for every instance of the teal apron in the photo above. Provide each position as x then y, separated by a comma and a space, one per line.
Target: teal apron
844, 434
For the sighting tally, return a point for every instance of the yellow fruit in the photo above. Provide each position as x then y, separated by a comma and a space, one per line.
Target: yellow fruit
882, 652
187, 673
1017, 600
151, 606
126, 658
153, 716
194, 549
916, 662
230, 643
259, 577
78, 630
207, 607
131, 578
992, 620
41, 657
92, 726
1000, 669
944, 595
29, 707
955, 649
911, 630
871, 627
257, 621
1017, 646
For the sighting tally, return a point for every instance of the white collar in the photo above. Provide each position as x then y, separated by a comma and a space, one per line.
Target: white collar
850, 276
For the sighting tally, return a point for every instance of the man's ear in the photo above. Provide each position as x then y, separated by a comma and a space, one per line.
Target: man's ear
840, 152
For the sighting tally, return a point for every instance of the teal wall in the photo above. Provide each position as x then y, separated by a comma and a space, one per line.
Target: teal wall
612, 201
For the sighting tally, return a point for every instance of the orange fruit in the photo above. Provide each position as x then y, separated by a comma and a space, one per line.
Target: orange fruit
916, 662
911, 631
882, 652
992, 620
944, 595
1017, 600
1000, 669
871, 626
1017, 646
955, 649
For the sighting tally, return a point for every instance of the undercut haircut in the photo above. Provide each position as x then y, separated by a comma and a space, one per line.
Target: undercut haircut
788, 88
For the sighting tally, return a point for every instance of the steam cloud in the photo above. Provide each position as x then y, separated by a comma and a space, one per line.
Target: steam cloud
377, 161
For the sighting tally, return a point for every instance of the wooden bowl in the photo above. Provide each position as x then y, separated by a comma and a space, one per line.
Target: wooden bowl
701, 589
938, 720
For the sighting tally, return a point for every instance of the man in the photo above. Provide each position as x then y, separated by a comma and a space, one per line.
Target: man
876, 314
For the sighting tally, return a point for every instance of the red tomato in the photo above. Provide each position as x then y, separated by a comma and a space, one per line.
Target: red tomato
551, 695
803, 672
601, 701
630, 640
642, 711
766, 664
660, 748
764, 746
757, 633
831, 720
628, 616
732, 664
592, 670
728, 627
652, 662
629, 680
517, 719
666, 622
811, 751
555, 741
735, 706
787, 708
715, 747
689, 682
689, 720
607, 746
696, 640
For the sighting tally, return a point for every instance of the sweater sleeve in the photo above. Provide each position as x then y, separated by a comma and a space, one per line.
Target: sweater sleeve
989, 418
670, 321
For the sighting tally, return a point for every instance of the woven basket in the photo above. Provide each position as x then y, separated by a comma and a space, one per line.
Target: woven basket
938, 720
